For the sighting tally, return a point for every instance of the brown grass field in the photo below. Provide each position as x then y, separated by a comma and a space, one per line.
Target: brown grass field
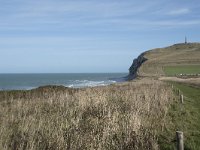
124, 116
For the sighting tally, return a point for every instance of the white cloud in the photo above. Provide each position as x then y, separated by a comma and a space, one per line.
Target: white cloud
92, 15
180, 11
129, 24
72, 9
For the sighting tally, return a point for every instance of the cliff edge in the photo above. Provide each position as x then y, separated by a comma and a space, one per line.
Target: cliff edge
133, 70
151, 63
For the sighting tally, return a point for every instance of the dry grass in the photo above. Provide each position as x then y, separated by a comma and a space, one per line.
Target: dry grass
124, 116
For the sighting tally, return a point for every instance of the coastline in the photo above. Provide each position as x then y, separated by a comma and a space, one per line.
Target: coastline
134, 114
78, 80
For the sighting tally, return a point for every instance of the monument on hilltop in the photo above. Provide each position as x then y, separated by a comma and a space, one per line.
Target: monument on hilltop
185, 40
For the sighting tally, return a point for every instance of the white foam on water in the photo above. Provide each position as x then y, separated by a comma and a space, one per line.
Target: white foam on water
33, 81
88, 83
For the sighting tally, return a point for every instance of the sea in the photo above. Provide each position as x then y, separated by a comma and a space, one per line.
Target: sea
73, 80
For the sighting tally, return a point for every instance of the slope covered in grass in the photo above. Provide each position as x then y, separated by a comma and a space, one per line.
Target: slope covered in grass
183, 117
177, 70
175, 55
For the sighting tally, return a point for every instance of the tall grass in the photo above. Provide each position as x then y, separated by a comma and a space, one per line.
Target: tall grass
124, 116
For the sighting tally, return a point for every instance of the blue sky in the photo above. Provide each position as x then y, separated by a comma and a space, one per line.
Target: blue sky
71, 36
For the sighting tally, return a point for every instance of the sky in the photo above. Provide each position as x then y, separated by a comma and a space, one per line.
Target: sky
90, 36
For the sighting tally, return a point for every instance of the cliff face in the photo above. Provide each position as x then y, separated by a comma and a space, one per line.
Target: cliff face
133, 70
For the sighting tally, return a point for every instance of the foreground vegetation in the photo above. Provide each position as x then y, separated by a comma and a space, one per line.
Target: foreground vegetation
125, 116
183, 117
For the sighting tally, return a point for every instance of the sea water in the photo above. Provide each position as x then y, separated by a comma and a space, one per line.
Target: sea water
75, 80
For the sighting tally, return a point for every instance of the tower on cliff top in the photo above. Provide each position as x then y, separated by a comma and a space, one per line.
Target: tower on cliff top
185, 40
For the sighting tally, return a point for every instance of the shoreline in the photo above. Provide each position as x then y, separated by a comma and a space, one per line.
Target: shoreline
29, 82
111, 82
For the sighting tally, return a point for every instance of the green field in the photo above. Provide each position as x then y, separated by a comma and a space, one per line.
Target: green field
183, 117
187, 69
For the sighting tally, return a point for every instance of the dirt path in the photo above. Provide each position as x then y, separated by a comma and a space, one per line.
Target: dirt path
192, 81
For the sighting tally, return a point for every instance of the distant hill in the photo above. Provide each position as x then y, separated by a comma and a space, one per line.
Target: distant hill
153, 62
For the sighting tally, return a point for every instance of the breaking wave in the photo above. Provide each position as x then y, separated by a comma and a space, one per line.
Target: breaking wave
88, 83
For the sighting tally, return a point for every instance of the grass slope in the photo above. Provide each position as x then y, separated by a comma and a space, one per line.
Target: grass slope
186, 69
176, 55
183, 117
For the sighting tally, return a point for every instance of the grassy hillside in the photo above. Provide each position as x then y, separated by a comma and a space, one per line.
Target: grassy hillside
176, 55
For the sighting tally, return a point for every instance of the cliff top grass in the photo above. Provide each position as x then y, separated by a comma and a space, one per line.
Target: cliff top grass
182, 69
175, 55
